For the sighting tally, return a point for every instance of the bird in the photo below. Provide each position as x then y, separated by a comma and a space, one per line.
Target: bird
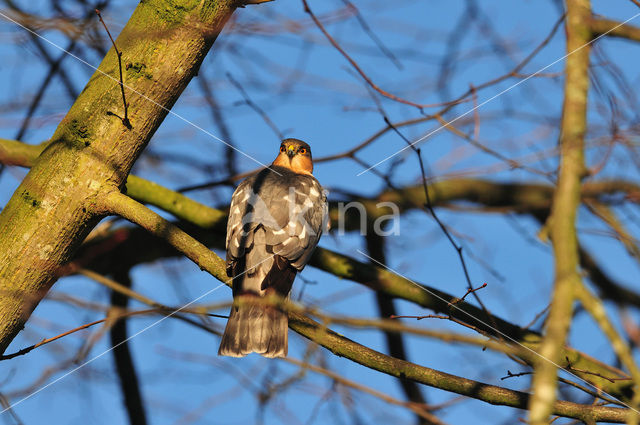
275, 221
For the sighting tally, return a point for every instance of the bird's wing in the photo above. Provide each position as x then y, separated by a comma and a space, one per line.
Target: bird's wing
236, 241
292, 213
247, 211
299, 208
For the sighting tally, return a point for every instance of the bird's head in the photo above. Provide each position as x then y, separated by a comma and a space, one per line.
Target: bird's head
295, 155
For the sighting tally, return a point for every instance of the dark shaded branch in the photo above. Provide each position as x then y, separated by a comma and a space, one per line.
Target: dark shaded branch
123, 361
223, 128
395, 341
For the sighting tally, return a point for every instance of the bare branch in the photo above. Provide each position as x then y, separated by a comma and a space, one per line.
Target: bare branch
566, 200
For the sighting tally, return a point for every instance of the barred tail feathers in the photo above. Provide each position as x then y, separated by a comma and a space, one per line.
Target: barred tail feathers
255, 328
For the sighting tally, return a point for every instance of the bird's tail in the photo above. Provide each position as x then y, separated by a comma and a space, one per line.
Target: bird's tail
254, 328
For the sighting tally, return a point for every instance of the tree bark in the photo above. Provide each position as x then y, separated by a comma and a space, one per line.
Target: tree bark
564, 210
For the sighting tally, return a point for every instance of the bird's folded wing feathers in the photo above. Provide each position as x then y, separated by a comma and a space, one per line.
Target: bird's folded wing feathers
292, 212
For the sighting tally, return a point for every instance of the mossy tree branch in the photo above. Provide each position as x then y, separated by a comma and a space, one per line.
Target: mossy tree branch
14, 152
130, 209
344, 347
566, 201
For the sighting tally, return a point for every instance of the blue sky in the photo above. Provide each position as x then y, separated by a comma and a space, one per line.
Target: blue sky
310, 92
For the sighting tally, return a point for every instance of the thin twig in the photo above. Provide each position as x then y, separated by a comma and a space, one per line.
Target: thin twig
429, 206
250, 103
569, 367
536, 317
25, 350
469, 291
372, 35
359, 70
243, 3
513, 375
125, 119
421, 409
441, 317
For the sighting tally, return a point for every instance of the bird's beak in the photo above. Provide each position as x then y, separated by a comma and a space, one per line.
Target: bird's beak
291, 151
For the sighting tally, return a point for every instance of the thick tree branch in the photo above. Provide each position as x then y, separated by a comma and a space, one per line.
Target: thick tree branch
120, 204
91, 153
375, 360
613, 28
13, 152
531, 198
566, 200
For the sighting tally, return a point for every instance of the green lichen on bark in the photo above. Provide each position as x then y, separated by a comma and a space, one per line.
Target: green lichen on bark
137, 70
174, 12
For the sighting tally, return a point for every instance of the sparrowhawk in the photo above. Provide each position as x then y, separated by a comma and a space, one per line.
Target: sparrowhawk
275, 221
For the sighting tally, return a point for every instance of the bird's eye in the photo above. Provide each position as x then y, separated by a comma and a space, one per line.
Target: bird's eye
302, 151
282, 148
